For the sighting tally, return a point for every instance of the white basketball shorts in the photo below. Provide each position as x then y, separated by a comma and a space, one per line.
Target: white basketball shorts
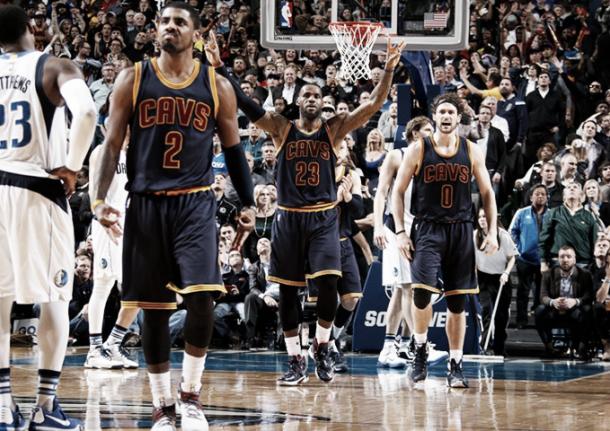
396, 270
36, 240
107, 255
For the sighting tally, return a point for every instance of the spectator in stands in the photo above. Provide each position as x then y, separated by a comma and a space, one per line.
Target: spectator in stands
232, 303
81, 293
225, 209
263, 296
253, 143
374, 155
498, 122
265, 212
257, 179
569, 224
545, 113
491, 141
103, 86
601, 307
593, 203
534, 173
268, 164
493, 274
568, 164
565, 297
525, 231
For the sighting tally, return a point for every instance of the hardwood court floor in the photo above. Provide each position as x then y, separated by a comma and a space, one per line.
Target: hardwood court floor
240, 393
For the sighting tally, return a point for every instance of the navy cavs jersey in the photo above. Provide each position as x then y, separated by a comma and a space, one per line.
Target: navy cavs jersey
306, 169
441, 191
172, 126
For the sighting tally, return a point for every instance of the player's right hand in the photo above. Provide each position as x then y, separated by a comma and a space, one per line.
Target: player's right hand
379, 238
212, 52
68, 179
108, 217
405, 246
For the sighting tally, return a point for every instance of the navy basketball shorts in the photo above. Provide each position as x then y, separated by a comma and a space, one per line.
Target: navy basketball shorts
349, 284
304, 245
447, 249
170, 246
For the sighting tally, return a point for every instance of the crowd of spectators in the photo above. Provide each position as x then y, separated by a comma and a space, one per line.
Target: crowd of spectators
535, 87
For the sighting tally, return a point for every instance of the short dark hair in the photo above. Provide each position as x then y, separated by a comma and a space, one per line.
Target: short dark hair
13, 24
567, 247
536, 187
544, 72
185, 6
450, 98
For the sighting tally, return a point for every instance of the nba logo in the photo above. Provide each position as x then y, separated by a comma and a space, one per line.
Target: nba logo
286, 14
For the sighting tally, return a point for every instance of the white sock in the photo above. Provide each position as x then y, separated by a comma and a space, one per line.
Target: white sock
161, 389
192, 369
337, 331
322, 334
420, 338
293, 345
456, 355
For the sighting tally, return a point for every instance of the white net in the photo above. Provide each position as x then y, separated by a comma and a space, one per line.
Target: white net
355, 41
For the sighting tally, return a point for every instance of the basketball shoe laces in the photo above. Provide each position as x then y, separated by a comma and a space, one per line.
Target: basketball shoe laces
164, 415
192, 404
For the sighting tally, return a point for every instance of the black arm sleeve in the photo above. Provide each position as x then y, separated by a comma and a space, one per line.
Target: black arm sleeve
237, 165
252, 110
356, 206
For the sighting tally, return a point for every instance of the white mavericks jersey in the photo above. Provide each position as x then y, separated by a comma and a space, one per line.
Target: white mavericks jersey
117, 193
33, 136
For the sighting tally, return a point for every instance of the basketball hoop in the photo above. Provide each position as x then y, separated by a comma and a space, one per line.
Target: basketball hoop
355, 41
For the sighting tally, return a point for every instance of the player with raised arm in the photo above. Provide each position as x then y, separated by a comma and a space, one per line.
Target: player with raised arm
441, 239
173, 106
36, 176
305, 232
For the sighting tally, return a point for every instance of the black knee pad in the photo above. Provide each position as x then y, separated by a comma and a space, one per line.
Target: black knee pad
421, 298
456, 303
199, 322
291, 312
327, 296
155, 336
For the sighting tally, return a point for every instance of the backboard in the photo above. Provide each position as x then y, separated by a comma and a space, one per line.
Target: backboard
423, 24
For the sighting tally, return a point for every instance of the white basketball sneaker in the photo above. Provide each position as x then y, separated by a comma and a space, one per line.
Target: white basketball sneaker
388, 357
191, 411
99, 358
119, 354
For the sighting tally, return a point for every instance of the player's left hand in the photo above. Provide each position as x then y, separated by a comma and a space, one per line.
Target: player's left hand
67, 177
393, 54
490, 244
212, 52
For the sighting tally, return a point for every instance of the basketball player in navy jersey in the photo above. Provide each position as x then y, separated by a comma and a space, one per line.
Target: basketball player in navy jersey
36, 254
441, 238
172, 105
305, 234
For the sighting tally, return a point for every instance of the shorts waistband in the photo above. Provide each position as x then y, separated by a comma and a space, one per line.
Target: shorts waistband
343, 238
309, 208
180, 192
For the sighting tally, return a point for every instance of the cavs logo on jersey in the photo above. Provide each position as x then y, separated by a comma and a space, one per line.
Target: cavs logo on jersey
61, 278
441, 172
169, 110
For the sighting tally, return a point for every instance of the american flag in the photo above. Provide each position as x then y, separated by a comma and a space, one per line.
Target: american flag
435, 20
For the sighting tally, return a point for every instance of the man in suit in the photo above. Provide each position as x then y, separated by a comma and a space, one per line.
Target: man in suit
264, 295
290, 88
491, 141
546, 109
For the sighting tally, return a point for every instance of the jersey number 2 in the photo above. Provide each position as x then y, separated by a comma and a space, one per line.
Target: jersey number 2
22, 108
308, 174
173, 142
